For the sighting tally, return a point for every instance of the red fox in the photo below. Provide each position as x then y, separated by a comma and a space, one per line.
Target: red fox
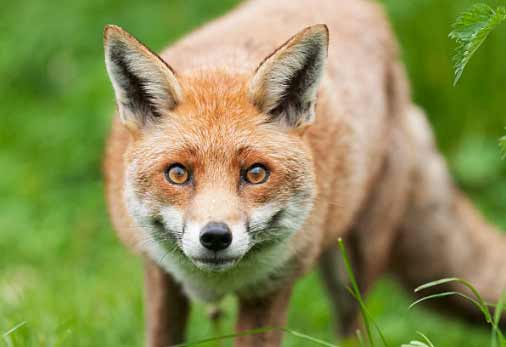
236, 168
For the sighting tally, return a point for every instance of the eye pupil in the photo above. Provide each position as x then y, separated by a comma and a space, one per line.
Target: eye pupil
178, 171
177, 174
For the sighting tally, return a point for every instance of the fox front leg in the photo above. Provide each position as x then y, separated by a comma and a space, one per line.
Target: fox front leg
166, 308
267, 312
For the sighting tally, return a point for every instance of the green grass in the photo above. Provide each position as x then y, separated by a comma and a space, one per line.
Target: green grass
369, 339
63, 275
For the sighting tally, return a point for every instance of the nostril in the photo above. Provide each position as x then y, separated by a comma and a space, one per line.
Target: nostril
216, 236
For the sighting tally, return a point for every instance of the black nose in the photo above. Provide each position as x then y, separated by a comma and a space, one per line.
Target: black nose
216, 236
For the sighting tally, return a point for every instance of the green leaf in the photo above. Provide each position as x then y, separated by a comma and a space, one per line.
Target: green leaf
502, 144
470, 31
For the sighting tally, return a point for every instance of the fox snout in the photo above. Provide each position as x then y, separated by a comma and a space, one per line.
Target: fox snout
215, 246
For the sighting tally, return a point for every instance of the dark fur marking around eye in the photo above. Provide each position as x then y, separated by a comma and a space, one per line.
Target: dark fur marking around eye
137, 97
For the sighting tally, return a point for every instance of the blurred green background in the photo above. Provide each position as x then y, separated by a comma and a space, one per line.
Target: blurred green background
62, 270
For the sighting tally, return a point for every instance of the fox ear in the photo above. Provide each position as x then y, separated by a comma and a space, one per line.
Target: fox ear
144, 85
286, 82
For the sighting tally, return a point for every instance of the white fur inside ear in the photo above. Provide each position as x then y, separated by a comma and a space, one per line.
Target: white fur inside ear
143, 84
285, 85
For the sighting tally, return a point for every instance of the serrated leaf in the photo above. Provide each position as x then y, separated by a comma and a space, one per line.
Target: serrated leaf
470, 31
502, 144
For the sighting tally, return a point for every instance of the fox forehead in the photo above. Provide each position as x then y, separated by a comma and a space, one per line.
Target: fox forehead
216, 119
212, 93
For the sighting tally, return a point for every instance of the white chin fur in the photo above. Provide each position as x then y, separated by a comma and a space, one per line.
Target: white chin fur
220, 266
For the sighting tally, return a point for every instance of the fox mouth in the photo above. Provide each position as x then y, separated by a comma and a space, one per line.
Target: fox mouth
215, 263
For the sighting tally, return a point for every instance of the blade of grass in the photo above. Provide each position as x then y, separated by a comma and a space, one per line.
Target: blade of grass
225, 337
442, 295
415, 344
368, 315
425, 338
6, 335
477, 301
482, 305
355, 292
255, 332
435, 283
360, 339
497, 318
308, 338
13, 329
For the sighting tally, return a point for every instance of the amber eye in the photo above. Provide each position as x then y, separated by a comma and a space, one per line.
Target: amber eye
177, 174
256, 174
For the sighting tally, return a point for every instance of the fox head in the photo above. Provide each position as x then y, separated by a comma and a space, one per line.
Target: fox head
217, 168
